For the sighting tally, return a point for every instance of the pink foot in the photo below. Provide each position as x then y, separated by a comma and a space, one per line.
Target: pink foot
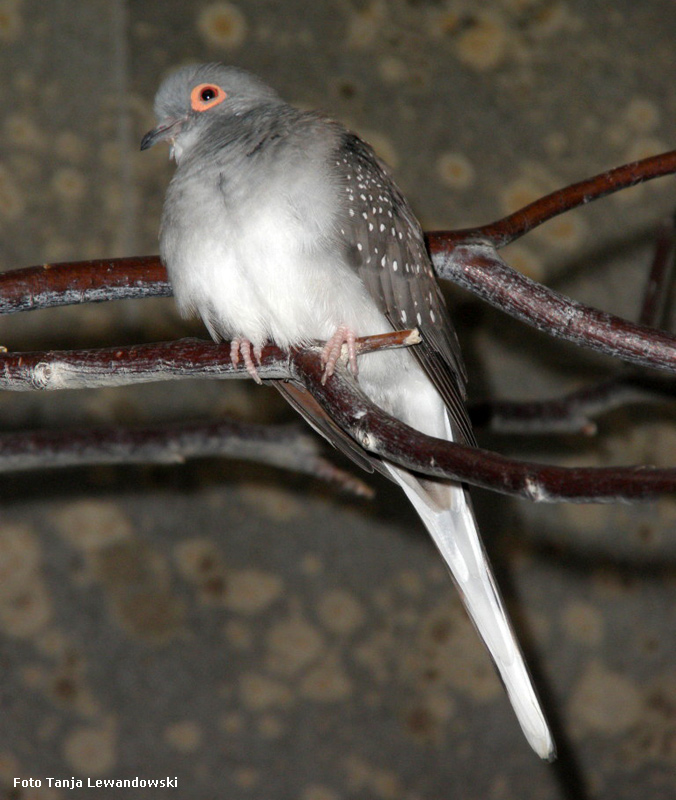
243, 346
333, 348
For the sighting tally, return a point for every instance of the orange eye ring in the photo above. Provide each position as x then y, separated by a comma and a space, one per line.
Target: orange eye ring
206, 96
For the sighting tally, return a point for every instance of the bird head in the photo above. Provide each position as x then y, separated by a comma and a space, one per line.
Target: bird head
193, 95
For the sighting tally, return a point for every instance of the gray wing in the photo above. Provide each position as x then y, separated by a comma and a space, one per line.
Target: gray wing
385, 244
304, 403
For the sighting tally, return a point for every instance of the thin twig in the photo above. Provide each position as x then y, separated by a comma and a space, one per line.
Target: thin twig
572, 413
656, 290
519, 223
284, 447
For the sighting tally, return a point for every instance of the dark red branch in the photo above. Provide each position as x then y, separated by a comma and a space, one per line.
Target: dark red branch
474, 266
121, 366
82, 282
343, 401
462, 256
144, 276
480, 269
574, 412
388, 438
159, 361
284, 447
477, 268
519, 223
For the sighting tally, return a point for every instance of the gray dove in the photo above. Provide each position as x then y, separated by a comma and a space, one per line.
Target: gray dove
282, 226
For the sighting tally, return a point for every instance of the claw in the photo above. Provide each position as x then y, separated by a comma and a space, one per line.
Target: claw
243, 346
333, 348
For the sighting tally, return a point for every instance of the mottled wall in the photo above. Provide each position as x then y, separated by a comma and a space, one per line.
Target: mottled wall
257, 634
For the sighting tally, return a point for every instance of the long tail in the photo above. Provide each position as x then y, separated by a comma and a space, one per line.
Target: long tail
447, 514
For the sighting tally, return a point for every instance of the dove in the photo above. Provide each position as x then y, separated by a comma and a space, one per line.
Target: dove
280, 225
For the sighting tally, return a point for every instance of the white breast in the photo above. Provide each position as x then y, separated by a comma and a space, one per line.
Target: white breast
259, 266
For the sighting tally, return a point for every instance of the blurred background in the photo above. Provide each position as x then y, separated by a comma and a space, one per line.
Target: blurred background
258, 634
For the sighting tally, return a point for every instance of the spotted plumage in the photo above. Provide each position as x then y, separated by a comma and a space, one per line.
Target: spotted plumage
280, 225
385, 244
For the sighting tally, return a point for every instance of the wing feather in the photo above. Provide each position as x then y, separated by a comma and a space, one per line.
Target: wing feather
386, 246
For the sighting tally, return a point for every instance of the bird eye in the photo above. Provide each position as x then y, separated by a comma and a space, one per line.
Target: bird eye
206, 96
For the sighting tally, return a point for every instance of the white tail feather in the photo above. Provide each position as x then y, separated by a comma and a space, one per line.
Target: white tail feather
448, 516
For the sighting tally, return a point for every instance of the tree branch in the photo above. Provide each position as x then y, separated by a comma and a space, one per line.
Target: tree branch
480, 269
284, 447
391, 439
475, 267
160, 361
466, 257
121, 366
521, 222
342, 399
656, 289
573, 413
469, 258
51, 285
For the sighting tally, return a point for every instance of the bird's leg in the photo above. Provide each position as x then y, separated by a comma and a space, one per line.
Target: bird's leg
243, 347
333, 348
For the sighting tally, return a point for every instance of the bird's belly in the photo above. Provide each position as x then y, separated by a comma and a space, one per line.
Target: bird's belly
267, 281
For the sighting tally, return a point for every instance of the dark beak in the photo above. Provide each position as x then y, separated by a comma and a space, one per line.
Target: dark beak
161, 132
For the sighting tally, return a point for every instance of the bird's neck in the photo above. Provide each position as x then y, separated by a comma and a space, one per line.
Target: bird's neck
236, 137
